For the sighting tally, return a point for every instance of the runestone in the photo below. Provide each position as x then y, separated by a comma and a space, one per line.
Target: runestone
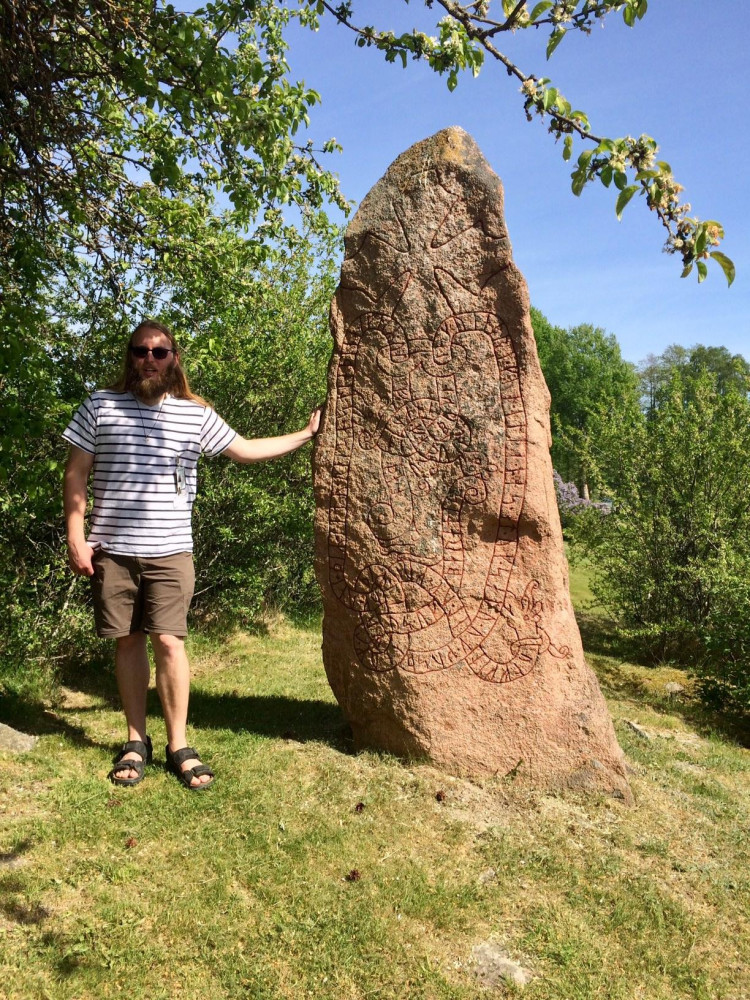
448, 631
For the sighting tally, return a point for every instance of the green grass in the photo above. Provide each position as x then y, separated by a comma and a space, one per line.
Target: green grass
242, 892
580, 581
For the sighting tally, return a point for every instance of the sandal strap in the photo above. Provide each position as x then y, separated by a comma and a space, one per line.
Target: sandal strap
198, 770
127, 765
186, 753
139, 747
176, 759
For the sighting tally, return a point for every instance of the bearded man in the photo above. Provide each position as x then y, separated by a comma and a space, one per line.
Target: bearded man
143, 437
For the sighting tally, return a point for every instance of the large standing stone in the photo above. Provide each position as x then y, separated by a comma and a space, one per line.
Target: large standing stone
448, 629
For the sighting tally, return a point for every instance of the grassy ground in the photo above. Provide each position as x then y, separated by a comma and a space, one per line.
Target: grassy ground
249, 890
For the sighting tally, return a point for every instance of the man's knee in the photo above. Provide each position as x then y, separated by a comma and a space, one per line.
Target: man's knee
170, 645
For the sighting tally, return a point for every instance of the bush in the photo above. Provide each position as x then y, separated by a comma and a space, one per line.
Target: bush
673, 555
723, 670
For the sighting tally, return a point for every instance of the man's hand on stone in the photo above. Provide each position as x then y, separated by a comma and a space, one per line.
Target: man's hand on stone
314, 422
80, 559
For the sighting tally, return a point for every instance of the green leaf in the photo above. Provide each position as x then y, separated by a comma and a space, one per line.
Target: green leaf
624, 198
686, 270
568, 147
549, 98
725, 264
554, 40
606, 175
702, 270
539, 10
621, 179
581, 117
579, 181
628, 16
641, 9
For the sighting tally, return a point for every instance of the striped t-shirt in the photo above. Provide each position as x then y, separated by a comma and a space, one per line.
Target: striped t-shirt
142, 507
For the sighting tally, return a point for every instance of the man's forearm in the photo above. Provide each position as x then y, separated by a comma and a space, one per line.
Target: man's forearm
75, 494
74, 505
259, 449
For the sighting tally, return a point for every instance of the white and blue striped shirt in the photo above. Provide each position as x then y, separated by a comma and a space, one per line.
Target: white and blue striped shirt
138, 508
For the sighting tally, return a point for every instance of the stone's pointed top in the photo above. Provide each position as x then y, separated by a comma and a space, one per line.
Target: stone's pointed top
449, 159
450, 145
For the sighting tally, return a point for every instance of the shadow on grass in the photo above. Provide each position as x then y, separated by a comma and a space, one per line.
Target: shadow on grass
600, 636
9, 860
95, 677
276, 716
36, 719
622, 672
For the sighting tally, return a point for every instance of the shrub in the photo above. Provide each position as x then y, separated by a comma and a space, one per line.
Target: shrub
673, 555
723, 670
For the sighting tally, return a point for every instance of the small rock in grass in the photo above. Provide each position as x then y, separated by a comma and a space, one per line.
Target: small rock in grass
489, 875
673, 688
13, 740
493, 967
638, 730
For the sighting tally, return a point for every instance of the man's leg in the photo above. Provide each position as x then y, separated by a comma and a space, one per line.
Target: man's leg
173, 685
132, 671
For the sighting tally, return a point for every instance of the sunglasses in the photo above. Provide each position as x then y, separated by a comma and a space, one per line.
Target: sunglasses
159, 353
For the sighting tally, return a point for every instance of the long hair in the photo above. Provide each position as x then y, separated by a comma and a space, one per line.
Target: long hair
180, 387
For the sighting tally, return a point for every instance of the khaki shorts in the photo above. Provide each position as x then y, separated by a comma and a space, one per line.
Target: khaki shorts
135, 594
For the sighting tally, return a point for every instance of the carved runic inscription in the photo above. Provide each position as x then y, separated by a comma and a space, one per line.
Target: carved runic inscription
430, 413
448, 632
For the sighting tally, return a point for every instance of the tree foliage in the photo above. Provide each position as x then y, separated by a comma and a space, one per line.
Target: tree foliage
656, 371
262, 362
673, 555
146, 156
589, 381
112, 109
470, 32
132, 135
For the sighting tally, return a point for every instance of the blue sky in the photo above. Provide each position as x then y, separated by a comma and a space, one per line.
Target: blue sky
681, 75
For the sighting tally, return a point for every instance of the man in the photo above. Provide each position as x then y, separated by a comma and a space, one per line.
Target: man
143, 438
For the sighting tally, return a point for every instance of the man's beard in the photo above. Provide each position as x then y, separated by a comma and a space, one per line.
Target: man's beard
150, 389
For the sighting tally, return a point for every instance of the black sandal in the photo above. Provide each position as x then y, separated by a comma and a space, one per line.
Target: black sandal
176, 759
146, 751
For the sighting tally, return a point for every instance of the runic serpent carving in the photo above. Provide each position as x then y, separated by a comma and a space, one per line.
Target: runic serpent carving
442, 494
